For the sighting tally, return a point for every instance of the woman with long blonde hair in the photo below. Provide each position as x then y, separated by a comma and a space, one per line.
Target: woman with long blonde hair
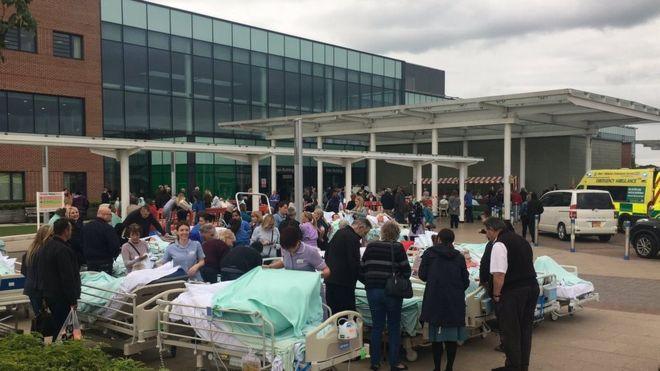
29, 266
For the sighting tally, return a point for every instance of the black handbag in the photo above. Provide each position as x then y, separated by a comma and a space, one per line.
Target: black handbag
397, 286
43, 322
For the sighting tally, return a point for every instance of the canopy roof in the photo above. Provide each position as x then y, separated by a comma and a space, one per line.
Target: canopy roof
108, 146
538, 114
653, 144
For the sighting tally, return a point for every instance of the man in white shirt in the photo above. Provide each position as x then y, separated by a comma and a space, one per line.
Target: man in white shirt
515, 292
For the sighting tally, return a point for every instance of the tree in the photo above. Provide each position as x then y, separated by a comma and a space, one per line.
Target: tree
14, 14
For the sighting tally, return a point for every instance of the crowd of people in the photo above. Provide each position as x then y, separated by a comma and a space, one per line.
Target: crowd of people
228, 246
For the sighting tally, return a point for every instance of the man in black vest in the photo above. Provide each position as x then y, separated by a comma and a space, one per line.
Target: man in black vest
515, 292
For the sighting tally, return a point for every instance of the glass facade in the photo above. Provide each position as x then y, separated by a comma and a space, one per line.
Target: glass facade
416, 98
173, 74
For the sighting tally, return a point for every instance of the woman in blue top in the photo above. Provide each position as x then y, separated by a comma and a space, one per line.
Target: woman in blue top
185, 253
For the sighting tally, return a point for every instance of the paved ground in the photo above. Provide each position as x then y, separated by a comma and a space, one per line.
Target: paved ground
622, 332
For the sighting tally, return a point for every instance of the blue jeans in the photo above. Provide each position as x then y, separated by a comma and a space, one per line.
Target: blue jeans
384, 307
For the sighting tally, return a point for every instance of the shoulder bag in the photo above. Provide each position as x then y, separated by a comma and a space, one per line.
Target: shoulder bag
396, 285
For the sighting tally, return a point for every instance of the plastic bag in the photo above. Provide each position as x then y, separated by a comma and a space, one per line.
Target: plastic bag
71, 329
250, 362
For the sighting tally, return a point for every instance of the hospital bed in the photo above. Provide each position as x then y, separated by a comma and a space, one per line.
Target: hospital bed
125, 320
13, 304
216, 334
573, 300
547, 301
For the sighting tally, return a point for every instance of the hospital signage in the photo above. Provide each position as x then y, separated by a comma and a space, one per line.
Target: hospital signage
50, 201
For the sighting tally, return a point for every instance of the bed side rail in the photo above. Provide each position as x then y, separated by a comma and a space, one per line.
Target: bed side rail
146, 314
571, 269
211, 330
117, 308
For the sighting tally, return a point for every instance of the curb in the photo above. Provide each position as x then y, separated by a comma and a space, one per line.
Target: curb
18, 237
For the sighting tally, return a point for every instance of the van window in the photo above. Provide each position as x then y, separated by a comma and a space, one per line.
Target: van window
548, 200
564, 199
601, 201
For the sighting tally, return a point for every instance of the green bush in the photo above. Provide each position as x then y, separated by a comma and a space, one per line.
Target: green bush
27, 353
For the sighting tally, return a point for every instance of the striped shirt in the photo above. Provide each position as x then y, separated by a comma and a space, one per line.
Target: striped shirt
377, 263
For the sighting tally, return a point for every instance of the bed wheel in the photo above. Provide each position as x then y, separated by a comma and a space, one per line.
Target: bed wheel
554, 316
173, 351
484, 334
411, 355
460, 343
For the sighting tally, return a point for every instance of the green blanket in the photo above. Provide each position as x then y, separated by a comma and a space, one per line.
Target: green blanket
290, 300
89, 303
410, 311
546, 264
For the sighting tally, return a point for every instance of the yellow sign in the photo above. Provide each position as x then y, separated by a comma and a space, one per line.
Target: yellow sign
49, 201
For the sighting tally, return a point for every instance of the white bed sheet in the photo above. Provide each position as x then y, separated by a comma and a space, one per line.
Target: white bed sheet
574, 291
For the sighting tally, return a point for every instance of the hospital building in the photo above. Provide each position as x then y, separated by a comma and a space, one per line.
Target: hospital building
136, 70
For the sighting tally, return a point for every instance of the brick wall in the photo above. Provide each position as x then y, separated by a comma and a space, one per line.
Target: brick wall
45, 74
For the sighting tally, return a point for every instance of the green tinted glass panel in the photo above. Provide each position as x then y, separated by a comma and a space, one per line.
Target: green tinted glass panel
292, 47
353, 60
202, 28
329, 55
340, 57
158, 18
241, 36
306, 50
275, 43
319, 53
378, 65
135, 14
259, 40
366, 61
111, 11
221, 32
397, 73
181, 23
389, 68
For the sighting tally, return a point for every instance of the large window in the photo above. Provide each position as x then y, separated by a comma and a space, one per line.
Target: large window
159, 71
41, 114
12, 187
76, 182
19, 39
113, 65
203, 77
135, 68
67, 45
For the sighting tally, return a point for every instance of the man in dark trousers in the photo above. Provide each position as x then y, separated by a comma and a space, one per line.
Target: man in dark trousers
58, 275
515, 292
100, 242
144, 219
343, 259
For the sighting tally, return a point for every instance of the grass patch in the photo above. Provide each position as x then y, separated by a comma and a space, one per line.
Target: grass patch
12, 230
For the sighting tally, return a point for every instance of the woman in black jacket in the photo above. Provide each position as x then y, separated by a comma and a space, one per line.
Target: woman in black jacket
445, 273
380, 259
29, 266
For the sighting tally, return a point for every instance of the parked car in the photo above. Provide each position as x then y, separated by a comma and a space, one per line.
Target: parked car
645, 237
593, 211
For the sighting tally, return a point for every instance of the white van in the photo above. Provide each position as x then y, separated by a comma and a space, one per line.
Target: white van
593, 211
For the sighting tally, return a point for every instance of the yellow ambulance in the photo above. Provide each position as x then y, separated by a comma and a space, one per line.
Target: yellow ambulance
634, 191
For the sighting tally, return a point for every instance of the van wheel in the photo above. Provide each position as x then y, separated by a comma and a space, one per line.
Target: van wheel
561, 232
605, 237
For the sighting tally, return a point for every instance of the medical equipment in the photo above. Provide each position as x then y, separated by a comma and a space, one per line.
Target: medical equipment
131, 317
211, 332
13, 303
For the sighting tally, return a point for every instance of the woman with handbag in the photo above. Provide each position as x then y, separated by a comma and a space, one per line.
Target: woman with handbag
268, 236
445, 273
29, 267
385, 273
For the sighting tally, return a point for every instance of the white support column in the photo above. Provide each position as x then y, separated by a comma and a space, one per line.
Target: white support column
319, 174
44, 177
298, 167
372, 163
418, 181
506, 215
254, 163
462, 175
466, 148
273, 168
523, 164
414, 151
434, 172
587, 160
348, 185
173, 172
124, 181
